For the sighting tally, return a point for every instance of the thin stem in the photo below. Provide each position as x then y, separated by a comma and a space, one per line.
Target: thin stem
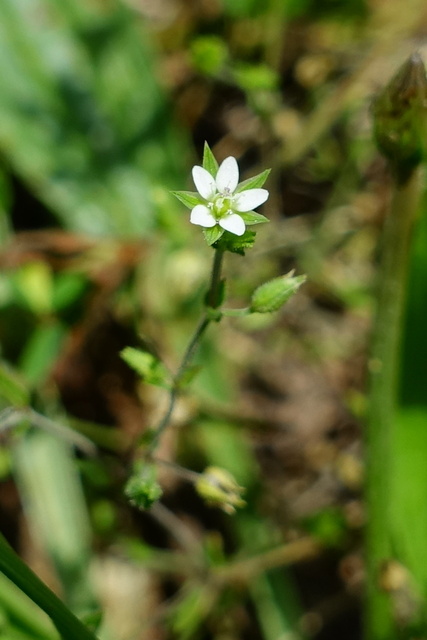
213, 297
213, 300
384, 368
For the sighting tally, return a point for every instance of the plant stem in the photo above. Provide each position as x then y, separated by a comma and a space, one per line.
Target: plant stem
213, 300
384, 368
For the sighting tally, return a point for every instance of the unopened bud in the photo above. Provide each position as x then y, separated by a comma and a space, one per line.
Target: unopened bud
273, 294
218, 487
142, 488
400, 118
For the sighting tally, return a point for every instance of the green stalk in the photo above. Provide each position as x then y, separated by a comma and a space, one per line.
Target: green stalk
400, 130
213, 301
68, 626
384, 370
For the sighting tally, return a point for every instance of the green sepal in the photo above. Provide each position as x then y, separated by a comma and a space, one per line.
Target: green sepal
252, 217
213, 234
188, 198
255, 182
147, 366
142, 488
209, 161
273, 294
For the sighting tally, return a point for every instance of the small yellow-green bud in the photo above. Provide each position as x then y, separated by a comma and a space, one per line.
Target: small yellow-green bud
273, 294
142, 488
218, 487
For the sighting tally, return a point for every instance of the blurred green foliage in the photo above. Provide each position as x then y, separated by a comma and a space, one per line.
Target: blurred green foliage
83, 119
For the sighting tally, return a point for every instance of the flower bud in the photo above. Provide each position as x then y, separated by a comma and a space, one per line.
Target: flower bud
400, 113
218, 487
142, 488
273, 294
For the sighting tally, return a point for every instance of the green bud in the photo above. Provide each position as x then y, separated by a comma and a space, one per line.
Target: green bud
142, 488
218, 487
400, 113
272, 295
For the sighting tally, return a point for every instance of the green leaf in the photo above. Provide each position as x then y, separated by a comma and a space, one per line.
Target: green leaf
68, 626
254, 183
188, 198
213, 234
252, 217
209, 54
209, 161
147, 366
238, 244
12, 388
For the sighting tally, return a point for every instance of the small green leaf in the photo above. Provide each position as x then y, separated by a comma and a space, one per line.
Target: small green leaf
142, 488
213, 234
272, 295
147, 366
12, 388
209, 161
252, 217
34, 281
188, 198
254, 183
209, 54
238, 244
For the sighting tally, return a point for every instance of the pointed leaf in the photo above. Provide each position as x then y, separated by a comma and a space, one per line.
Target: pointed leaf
209, 161
188, 198
252, 217
254, 183
147, 366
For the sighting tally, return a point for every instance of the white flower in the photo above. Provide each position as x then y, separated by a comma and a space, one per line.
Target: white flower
222, 204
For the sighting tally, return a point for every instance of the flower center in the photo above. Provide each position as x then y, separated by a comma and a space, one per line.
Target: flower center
221, 206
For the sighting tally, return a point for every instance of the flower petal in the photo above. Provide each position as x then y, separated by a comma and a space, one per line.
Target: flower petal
233, 223
205, 183
228, 175
202, 216
248, 200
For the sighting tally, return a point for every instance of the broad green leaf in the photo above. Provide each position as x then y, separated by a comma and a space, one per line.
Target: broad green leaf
188, 198
254, 183
209, 161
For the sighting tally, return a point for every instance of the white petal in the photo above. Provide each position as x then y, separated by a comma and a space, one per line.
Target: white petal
202, 216
205, 183
248, 200
233, 223
228, 175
